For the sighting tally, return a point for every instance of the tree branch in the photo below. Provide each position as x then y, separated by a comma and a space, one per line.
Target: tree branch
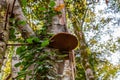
16, 9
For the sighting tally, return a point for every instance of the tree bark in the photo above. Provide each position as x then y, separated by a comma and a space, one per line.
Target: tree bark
83, 51
84, 56
65, 68
19, 16
4, 32
82, 44
58, 25
15, 11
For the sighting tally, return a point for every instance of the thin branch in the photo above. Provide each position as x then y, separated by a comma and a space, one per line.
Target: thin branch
6, 17
83, 18
8, 77
20, 44
12, 8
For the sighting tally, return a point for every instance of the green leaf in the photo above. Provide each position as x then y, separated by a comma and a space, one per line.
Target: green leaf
12, 34
24, 3
42, 9
20, 50
17, 64
45, 43
36, 39
29, 40
21, 23
52, 3
87, 20
33, 39
40, 63
88, 50
12, 20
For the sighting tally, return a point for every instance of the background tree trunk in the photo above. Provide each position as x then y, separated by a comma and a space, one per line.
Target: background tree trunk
83, 50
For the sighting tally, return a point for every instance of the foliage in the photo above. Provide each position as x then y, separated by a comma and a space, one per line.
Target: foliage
7, 67
39, 14
36, 54
93, 26
80, 74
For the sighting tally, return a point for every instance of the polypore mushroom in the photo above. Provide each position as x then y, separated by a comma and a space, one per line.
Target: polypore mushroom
63, 41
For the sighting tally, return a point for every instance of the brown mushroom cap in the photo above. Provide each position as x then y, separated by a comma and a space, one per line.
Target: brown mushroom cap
63, 41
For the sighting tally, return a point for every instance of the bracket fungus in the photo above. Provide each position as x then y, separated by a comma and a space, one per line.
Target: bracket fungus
63, 41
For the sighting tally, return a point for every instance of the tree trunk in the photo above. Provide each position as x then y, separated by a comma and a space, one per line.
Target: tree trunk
65, 68
83, 50
84, 56
14, 11
82, 44
58, 25
4, 31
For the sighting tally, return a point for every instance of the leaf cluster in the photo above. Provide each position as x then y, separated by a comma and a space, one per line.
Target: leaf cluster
36, 54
